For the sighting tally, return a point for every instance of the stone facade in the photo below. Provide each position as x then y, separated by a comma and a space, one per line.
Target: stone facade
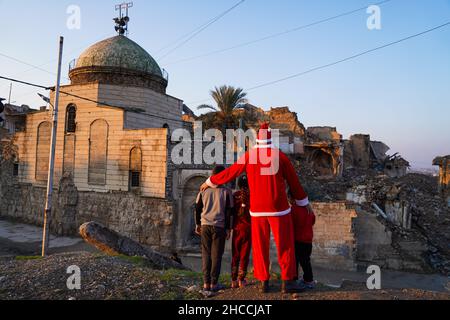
147, 220
117, 146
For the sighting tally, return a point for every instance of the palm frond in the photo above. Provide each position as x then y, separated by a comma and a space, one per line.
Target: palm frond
206, 106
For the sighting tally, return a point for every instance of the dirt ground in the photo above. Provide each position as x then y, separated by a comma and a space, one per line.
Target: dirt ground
125, 278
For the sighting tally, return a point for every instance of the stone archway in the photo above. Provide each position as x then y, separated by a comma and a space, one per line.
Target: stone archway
322, 163
187, 221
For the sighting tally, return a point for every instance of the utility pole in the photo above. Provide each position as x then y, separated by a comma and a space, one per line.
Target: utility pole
51, 166
10, 90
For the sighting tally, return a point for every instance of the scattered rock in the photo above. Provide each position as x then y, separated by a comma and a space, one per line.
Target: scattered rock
193, 288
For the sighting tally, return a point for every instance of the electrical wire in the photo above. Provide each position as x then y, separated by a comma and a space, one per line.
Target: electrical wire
338, 61
201, 29
349, 58
99, 103
275, 35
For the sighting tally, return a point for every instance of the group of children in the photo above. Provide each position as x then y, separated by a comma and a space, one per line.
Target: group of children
220, 214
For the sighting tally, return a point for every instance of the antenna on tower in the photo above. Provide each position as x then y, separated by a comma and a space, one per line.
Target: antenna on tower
123, 19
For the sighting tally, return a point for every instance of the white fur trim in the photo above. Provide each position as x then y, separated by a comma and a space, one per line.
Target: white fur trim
270, 214
268, 141
210, 184
264, 146
302, 203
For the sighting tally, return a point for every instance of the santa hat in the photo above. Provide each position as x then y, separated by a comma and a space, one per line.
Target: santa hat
264, 134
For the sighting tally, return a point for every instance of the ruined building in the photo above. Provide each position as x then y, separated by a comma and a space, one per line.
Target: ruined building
12, 118
324, 151
444, 176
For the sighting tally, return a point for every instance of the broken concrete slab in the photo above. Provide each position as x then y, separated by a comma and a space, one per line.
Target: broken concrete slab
112, 243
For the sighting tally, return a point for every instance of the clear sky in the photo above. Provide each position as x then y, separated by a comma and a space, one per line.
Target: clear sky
400, 95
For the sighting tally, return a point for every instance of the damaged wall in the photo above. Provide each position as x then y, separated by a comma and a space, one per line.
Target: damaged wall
359, 147
324, 151
334, 236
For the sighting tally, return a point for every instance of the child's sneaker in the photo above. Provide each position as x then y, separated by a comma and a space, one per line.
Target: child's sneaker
242, 283
307, 285
235, 285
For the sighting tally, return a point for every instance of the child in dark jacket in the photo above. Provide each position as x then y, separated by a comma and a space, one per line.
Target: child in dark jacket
242, 237
214, 208
303, 230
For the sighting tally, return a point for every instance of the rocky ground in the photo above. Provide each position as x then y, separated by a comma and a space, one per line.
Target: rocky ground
102, 277
125, 278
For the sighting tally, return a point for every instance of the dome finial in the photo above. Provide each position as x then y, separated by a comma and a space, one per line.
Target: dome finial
123, 19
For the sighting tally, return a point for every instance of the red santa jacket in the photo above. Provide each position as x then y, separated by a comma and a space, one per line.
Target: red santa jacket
303, 222
268, 169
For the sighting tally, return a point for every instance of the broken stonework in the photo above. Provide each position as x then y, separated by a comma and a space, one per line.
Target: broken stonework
113, 243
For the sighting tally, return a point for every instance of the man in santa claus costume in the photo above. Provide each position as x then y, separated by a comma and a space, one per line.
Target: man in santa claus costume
268, 170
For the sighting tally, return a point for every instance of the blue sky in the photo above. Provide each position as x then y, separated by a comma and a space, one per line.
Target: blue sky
399, 95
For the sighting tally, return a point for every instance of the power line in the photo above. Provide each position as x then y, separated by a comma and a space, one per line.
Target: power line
202, 29
275, 35
82, 98
193, 31
26, 63
261, 85
338, 61
105, 104
65, 55
25, 83
349, 58
38, 67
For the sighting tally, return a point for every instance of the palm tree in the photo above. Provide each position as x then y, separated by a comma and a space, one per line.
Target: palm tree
228, 100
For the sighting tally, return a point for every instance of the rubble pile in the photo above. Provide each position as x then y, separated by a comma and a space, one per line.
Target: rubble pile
424, 215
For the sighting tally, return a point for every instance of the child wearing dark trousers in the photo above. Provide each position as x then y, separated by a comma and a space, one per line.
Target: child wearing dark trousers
242, 235
303, 230
213, 214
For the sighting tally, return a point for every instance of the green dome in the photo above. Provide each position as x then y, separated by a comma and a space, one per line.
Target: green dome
120, 52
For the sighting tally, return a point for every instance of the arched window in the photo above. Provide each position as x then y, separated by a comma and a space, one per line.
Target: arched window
71, 116
98, 149
135, 167
43, 150
166, 126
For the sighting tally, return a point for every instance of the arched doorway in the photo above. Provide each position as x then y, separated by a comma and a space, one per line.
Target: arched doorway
187, 220
322, 163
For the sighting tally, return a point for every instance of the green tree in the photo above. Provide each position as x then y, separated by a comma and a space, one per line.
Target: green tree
224, 116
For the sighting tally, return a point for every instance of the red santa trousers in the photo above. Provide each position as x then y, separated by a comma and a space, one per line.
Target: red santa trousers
283, 232
242, 245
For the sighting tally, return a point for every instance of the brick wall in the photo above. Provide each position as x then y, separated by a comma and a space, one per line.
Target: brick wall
334, 238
